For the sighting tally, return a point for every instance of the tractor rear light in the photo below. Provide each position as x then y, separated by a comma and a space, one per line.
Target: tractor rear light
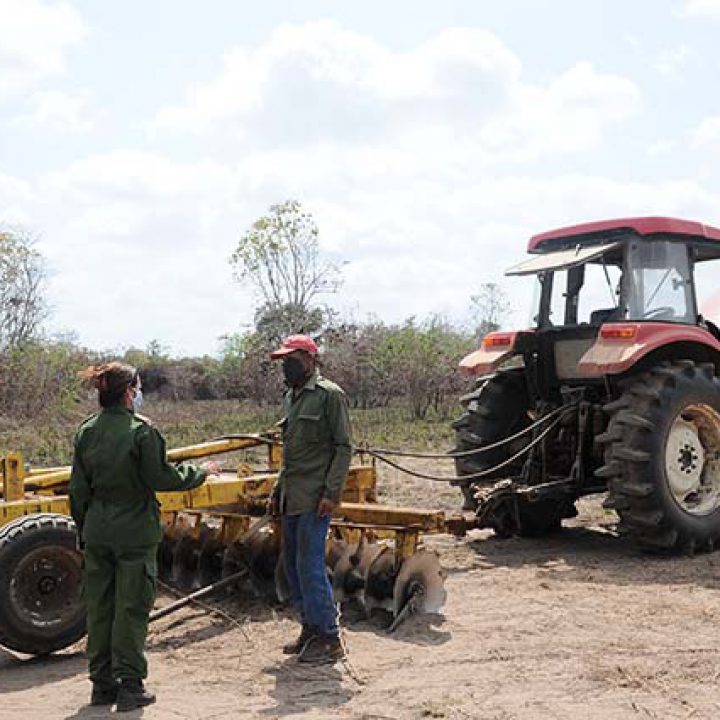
497, 341
618, 332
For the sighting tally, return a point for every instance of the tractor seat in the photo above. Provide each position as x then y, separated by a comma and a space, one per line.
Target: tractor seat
598, 317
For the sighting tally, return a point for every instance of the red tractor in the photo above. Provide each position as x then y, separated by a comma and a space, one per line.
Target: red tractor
614, 388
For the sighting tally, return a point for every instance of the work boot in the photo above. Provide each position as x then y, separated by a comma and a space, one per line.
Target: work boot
296, 646
322, 649
104, 693
133, 695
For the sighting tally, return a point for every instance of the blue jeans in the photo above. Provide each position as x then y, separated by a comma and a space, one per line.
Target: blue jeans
304, 539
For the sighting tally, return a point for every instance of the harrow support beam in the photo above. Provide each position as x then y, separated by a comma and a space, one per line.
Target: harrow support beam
13, 472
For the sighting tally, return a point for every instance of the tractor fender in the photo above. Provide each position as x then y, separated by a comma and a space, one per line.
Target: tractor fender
496, 347
619, 346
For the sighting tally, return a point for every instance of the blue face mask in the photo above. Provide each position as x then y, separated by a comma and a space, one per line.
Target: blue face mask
137, 400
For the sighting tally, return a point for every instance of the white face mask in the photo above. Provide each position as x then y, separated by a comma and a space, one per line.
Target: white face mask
137, 400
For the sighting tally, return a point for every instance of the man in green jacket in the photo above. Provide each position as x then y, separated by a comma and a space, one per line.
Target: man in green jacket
119, 463
316, 459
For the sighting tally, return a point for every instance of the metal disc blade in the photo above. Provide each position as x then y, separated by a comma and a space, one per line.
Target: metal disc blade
342, 567
210, 562
421, 579
367, 557
184, 562
380, 581
335, 550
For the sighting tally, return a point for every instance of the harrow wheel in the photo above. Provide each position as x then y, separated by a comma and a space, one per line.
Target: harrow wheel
41, 608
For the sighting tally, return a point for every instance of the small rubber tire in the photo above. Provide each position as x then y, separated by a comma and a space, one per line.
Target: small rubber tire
40, 567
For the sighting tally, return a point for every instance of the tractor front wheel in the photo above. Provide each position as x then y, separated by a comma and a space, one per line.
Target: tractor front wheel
662, 460
41, 608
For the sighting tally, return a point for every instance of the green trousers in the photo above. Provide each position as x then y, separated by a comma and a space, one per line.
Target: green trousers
119, 594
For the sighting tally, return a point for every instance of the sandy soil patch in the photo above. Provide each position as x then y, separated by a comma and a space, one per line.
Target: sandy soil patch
575, 626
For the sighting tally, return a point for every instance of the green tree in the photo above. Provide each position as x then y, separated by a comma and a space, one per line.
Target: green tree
420, 361
279, 255
22, 285
489, 308
246, 370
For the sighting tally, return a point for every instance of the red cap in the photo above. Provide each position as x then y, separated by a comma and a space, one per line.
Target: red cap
293, 343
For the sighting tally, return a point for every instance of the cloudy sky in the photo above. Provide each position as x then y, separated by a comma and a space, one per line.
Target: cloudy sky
429, 138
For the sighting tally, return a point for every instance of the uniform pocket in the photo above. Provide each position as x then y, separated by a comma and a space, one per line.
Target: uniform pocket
308, 429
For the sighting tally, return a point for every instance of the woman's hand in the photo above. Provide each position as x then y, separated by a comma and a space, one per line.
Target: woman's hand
211, 467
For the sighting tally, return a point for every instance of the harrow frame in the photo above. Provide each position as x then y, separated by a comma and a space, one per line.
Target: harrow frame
201, 526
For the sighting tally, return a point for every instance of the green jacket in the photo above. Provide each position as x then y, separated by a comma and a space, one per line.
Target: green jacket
316, 446
119, 463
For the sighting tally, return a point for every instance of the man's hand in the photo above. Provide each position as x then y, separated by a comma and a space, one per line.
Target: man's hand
212, 467
273, 506
326, 507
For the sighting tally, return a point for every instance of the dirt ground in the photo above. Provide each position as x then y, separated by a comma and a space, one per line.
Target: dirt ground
577, 626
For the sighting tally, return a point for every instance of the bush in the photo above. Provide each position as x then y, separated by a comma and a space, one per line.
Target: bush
39, 380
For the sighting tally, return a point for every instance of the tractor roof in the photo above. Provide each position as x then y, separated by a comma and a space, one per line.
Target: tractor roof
606, 230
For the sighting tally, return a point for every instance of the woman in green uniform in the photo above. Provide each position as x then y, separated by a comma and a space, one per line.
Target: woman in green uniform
119, 463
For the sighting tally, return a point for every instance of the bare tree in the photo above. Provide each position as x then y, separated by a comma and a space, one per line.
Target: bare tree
489, 308
280, 256
22, 281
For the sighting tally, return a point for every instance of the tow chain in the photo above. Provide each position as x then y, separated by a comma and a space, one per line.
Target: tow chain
558, 415
476, 451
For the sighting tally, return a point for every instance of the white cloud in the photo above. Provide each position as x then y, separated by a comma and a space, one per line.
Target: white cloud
671, 62
15, 201
421, 168
569, 114
706, 135
318, 82
703, 8
58, 111
35, 38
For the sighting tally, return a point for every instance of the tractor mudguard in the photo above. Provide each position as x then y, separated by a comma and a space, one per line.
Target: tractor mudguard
496, 347
620, 345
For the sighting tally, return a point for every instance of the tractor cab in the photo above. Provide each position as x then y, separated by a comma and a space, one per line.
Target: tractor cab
600, 282
644, 266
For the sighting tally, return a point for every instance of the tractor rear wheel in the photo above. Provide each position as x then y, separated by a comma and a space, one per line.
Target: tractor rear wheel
662, 458
41, 608
496, 409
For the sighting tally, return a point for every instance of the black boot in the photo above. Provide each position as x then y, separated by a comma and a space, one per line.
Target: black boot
133, 695
104, 693
296, 646
322, 649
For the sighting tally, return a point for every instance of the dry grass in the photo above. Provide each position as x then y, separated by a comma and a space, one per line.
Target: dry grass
49, 442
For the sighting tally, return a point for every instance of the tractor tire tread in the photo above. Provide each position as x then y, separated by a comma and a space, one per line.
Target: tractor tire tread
634, 468
11, 536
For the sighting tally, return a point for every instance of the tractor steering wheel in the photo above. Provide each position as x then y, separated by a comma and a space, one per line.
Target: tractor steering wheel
658, 311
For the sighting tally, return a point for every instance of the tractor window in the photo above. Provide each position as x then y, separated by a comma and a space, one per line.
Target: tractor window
599, 297
596, 289
659, 282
